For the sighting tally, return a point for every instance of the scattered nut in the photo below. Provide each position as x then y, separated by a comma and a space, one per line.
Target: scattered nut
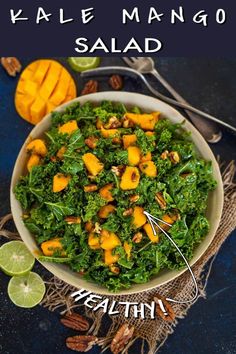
75, 321
128, 212
164, 155
90, 87
160, 200
122, 337
127, 123
118, 170
114, 269
97, 228
137, 237
134, 198
81, 343
91, 142
11, 65
90, 188
113, 123
174, 157
73, 220
169, 315
116, 82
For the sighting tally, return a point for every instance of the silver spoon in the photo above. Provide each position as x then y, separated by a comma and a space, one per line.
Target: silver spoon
131, 72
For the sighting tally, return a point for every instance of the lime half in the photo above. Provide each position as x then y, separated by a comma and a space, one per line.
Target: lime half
15, 258
26, 290
83, 63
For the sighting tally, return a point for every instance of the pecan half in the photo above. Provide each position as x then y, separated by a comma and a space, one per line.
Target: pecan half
116, 82
137, 237
134, 198
81, 343
174, 157
90, 188
164, 155
122, 337
128, 212
11, 65
114, 269
169, 314
160, 200
91, 142
90, 87
118, 170
97, 228
113, 123
75, 321
73, 220
127, 123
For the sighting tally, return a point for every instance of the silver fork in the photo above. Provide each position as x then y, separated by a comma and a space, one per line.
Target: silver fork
109, 70
146, 65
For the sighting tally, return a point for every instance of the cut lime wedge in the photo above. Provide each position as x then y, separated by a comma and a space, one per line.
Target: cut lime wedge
15, 258
26, 290
83, 63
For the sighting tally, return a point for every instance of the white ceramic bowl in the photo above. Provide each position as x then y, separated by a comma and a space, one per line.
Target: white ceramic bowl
148, 104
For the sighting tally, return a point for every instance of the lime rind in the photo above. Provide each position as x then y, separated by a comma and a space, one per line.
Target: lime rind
15, 258
27, 290
83, 63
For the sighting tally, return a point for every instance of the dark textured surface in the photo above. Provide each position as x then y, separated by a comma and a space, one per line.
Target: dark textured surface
210, 325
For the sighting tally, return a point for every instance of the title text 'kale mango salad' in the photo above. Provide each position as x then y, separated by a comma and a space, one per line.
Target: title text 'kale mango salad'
91, 177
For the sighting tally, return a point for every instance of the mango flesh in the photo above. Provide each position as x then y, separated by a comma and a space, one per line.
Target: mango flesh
43, 85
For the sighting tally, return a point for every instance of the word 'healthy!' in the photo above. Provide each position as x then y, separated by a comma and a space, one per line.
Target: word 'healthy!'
145, 45
112, 307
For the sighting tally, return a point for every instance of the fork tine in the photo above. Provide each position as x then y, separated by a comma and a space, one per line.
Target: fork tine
134, 58
128, 61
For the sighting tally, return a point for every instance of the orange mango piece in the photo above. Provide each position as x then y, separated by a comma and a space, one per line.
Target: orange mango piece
37, 146
60, 182
92, 163
148, 168
51, 246
34, 160
110, 258
69, 127
105, 192
148, 229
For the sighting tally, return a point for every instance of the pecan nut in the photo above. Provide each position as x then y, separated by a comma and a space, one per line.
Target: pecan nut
122, 337
134, 198
11, 65
118, 170
113, 123
75, 321
114, 269
137, 237
91, 142
128, 212
73, 220
160, 200
116, 82
166, 313
174, 157
90, 87
81, 343
164, 155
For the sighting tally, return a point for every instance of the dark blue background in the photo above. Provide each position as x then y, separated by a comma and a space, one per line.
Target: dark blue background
210, 325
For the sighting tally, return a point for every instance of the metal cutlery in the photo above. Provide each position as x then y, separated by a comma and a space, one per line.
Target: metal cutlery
146, 65
108, 70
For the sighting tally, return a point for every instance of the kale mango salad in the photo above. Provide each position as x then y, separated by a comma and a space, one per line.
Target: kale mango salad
91, 177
